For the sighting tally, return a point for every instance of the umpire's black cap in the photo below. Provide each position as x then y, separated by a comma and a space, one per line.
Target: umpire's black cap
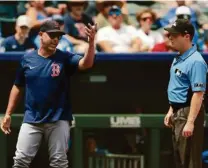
181, 26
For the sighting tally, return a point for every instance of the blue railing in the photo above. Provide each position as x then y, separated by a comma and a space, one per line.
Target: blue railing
160, 56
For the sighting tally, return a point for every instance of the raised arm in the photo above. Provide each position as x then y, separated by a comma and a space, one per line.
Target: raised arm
88, 59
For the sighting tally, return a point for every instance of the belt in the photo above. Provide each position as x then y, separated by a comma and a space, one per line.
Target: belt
177, 106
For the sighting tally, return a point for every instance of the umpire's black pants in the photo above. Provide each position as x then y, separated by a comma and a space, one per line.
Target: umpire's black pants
187, 151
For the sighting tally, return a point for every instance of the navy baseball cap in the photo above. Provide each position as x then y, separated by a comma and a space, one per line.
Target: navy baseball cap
51, 26
181, 26
115, 10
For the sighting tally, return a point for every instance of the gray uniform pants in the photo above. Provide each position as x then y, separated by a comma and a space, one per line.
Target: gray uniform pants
187, 151
56, 135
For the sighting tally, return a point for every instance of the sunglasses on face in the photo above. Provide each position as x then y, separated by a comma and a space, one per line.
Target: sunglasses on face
24, 27
117, 13
146, 18
184, 17
54, 35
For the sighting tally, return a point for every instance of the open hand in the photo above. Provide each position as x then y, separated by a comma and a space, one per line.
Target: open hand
167, 120
91, 31
5, 124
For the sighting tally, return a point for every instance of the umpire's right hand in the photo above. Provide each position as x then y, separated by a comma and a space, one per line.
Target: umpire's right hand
167, 120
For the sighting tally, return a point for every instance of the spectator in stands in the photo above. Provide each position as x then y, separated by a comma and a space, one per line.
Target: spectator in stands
149, 37
134, 7
165, 46
92, 147
64, 43
170, 17
103, 8
91, 10
184, 12
20, 40
74, 22
118, 37
200, 7
39, 13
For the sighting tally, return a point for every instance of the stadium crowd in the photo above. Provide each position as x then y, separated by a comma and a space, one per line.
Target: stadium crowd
123, 26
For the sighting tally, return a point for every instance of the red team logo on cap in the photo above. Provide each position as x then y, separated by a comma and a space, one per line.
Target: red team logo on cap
55, 70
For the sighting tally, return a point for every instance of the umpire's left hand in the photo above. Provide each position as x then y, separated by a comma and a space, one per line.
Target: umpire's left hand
188, 129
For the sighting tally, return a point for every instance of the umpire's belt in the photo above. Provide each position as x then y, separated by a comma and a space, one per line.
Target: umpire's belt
177, 106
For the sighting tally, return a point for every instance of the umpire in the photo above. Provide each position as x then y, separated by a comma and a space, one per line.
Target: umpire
186, 90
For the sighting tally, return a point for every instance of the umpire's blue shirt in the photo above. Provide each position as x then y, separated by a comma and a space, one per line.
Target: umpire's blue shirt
188, 73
